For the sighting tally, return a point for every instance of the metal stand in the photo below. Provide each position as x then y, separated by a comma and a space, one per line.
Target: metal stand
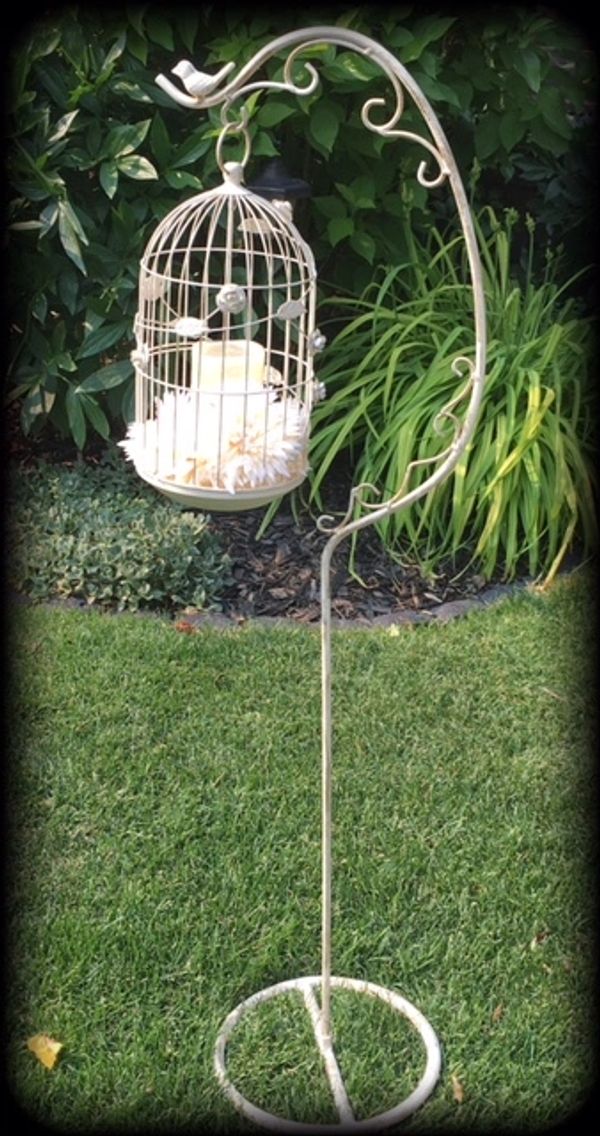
320, 1015
306, 988
438, 167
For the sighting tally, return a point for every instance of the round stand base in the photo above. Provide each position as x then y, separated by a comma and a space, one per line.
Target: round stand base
347, 1121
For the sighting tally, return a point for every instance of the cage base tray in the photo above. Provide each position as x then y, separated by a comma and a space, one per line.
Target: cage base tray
219, 500
347, 1121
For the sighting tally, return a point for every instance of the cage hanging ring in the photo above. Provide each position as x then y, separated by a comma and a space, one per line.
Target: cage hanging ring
232, 128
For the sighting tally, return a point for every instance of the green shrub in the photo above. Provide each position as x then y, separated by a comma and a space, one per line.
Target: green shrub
524, 489
94, 532
98, 154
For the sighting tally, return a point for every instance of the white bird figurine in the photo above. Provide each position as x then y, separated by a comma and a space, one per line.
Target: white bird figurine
199, 83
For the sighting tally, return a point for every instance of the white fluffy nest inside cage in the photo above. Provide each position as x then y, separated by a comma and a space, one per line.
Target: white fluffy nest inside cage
222, 444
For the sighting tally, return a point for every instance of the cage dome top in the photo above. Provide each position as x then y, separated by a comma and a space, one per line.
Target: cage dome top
225, 345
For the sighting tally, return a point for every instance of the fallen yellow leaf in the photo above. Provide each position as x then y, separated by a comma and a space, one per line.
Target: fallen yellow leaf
458, 1091
45, 1048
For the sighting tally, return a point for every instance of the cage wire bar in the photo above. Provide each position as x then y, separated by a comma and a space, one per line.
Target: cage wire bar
201, 92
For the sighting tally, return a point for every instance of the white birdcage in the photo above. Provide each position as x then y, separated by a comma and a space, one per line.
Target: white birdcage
225, 339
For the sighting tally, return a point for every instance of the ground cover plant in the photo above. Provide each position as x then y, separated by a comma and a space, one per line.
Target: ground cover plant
96, 532
163, 800
525, 486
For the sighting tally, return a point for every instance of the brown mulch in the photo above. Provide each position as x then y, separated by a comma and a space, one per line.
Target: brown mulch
278, 575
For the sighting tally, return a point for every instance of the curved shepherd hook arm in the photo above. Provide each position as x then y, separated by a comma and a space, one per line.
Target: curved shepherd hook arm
203, 91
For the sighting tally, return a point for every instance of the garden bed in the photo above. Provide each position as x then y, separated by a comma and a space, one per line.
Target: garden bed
275, 574
278, 576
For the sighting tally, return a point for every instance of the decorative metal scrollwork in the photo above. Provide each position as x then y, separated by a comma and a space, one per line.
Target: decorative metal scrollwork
204, 91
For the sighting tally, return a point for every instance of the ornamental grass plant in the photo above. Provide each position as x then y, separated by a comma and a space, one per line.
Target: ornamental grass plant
524, 490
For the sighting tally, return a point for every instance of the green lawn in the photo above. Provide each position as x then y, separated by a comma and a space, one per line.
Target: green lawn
164, 863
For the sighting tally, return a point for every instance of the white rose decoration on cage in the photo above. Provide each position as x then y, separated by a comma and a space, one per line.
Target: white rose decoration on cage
224, 354
231, 298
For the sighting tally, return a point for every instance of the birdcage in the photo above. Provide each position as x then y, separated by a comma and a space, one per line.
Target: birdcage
225, 342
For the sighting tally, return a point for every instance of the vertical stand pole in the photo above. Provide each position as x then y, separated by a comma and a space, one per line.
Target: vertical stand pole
326, 778
320, 1016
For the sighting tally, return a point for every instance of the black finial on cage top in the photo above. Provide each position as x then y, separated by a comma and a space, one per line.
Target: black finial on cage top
276, 183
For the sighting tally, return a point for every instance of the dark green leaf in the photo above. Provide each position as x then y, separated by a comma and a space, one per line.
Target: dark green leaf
487, 136
65, 362
330, 206
137, 46
338, 228
39, 307
102, 338
438, 91
159, 31
113, 54
76, 418
364, 245
107, 377
135, 92
69, 238
263, 145
37, 403
547, 138
324, 124
357, 67
187, 26
511, 130
58, 336
273, 112
62, 127
128, 403
432, 28
43, 40
68, 289
38, 344
360, 192
160, 141
181, 179
135, 15
136, 167
68, 210
394, 204
93, 137
426, 31
528, 65
400, 37
95, 415
109, 178
125, 139
551, 104
193, 148
52, 79
152, 93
